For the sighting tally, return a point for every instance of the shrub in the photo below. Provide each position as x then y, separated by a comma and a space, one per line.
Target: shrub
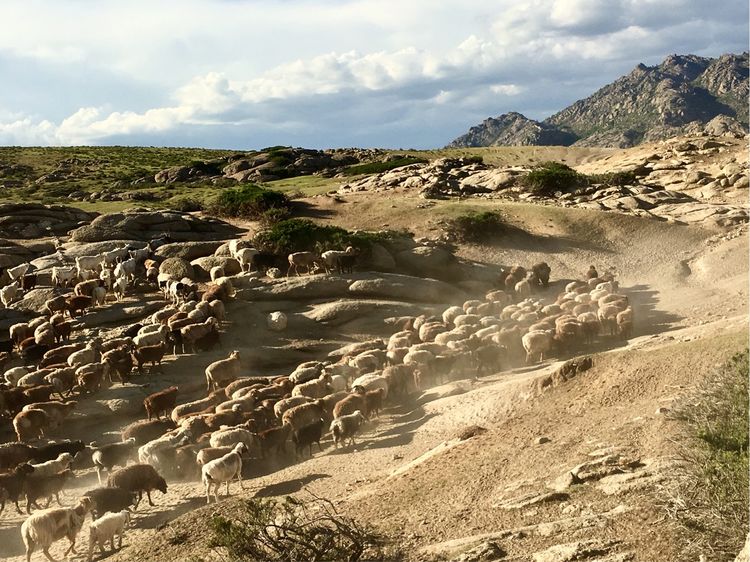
298, 235
291, 530
249, 201
186, 204
613, 178
476, 227
714, 495
378, 167
548, 177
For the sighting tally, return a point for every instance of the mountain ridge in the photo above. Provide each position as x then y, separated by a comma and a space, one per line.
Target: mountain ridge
685, 94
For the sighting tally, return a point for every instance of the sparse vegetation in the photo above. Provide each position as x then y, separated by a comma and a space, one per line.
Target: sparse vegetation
613, 178
714, 497
476, 227
295, 235
549, 177
249, 201
292, 530
384, 166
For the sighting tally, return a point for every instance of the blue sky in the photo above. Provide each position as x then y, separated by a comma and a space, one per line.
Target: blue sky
250, 73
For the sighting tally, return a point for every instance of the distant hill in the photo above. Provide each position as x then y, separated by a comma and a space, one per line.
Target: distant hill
684, 94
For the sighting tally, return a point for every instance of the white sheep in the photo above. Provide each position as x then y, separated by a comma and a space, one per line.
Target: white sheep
218, 310
346, 426
536, 344
222, 371
44, 527
216, 272
223, 469
9, 293
450, 314
12, 376
245, 257
232, 436
371, 381
152, 338
105, 528
152, 452
55, 466
84, 356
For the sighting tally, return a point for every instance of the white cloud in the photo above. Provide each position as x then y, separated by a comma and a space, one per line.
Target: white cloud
326, 73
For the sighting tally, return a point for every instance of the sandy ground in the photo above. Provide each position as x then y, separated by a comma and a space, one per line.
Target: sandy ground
411, 479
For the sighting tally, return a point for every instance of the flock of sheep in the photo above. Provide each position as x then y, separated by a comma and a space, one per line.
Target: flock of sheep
242, 417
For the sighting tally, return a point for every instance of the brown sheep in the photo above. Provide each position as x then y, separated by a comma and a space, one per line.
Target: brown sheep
138, 478
153, 354
31, 424
77, 305
351, 404
160, 402
303, 415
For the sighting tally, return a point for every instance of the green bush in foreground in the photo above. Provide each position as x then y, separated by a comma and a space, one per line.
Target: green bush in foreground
476, 227
715, 500
298, 235
249, 201
291, 530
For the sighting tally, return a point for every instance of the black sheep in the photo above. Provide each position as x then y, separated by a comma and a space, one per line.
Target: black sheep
110, 498
51, 451
308, 435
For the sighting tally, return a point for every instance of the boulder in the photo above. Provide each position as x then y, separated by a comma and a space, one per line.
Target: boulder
343, 311
177, 268
187, 250
276, 321
405, 288
202, 266
74, 250
33, 301
10, 316
126, 399
304, 288
380, 259
426, 261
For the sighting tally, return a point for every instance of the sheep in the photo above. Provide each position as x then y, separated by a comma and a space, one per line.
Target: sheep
13, 375
183, 410
48, 468
9, 293
109, 499
126, 270
105, 528
216, 272
350, 404
12, 484
87, 355
39, 393
317, 388
345, 427
223, 469
306, 371
77, 305
47, 526
624, 320
30, 424
608, 318
223, 371
371, 381
191, 334
274, 439
536, 344
155, 337
303, 415
85, 288
107, 278
63, 276
13, 454
138, 478
245, 257
306, 436
160, 402
301, 259
38, 486
144, 431
287, 403
118, 360
330, 258
208, 454
231, 436
89, 377
230, 417
218, 310
56, 411
160, 451
19, 332
110, 455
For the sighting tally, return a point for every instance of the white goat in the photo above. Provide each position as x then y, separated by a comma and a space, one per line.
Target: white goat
223, 469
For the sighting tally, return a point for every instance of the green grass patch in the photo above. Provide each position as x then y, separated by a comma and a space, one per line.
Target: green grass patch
379, 167
307, 185
714, 497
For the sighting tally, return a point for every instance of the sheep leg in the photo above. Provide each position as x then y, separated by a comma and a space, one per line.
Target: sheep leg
72, 547
239, 479
18, 509
57, 497
112, 542
148, 495
46, 553
227, 488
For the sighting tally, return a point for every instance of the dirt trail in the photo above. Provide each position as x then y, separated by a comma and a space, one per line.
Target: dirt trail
688, 320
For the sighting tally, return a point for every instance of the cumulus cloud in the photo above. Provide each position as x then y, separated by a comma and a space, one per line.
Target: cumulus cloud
325, 74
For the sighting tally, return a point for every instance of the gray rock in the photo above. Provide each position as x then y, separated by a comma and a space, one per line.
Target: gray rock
304, 288
33, 301
428, 262
380, 259
187, 250
343, 311
177, 268
74, 250
202, 266
487, 551
405, 288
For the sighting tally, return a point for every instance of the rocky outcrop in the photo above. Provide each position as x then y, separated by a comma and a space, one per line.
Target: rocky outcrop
187, 250
177, 268
33, 220
684, 94
147, 225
